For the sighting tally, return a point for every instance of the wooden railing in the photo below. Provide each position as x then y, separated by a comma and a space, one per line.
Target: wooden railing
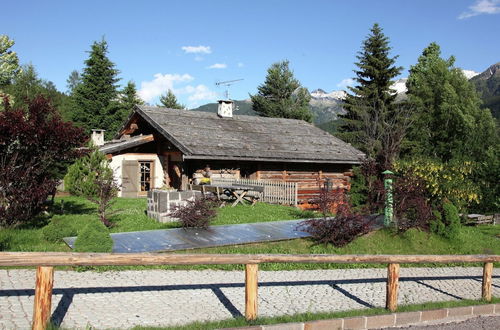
275, 192
45, 261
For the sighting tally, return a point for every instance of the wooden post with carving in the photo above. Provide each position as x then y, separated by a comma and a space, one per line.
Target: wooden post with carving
392, 287
251, 291
486, 287
43, 297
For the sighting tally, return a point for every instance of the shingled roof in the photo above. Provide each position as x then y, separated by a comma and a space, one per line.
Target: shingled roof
204, 135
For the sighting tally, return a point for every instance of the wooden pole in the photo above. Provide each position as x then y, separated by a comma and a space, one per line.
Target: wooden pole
43, 297
392, 287
487, 273
251, 288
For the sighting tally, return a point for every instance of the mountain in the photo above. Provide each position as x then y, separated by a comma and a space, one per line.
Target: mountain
488, 86
324, 106
327, 106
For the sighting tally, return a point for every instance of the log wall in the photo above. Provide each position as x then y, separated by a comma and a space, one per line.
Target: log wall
309, 182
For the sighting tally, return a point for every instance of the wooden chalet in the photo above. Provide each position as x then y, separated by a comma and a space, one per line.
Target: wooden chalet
160, 147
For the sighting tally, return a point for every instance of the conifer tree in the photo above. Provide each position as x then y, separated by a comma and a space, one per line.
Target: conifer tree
371, 104
95, 98
281, 95
169, 100
128, 99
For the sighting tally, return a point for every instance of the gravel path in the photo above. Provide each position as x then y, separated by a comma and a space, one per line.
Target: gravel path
165, 297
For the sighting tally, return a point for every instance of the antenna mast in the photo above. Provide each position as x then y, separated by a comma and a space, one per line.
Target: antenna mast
227, 84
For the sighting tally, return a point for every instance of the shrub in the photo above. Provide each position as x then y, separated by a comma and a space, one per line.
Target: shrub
436, 224
451, 181
36, 147
341, 229
57, 229
411, 203
446, 221
451, 220
92, 178
197, 213
94, 238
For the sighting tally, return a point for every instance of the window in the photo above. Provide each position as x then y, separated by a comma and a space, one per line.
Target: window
145, 169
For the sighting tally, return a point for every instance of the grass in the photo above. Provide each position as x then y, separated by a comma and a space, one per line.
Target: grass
128, 214
241, 322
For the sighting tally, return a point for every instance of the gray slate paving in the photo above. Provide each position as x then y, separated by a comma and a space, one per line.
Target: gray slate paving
165, 297
193, 238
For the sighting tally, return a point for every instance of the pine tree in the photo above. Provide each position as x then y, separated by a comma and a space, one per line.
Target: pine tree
449, 121
371, 106
169, 100
95, 98
281, 95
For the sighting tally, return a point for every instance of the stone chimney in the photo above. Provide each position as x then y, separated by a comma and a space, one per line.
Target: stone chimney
98, 137
225, 108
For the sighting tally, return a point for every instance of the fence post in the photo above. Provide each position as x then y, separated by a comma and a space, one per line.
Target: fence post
391, 302
486, 287
43, 297
251, 291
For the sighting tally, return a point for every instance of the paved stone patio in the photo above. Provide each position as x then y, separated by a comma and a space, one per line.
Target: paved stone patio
160, 297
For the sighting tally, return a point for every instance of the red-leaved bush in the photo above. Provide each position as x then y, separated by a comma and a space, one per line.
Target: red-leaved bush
36, 147
412, 207
196, 213
341, 229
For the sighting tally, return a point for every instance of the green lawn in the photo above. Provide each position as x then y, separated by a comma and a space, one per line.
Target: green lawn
129, 215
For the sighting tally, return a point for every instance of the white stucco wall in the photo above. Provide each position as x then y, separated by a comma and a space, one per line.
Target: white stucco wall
116, 165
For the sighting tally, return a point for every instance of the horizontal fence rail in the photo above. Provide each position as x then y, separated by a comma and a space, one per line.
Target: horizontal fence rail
275, 192
45, 261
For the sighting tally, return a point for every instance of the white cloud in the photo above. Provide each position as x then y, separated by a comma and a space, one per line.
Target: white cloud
161, 83
217, 66
481, 7
240, 65
196, 49
346, 82
199, 93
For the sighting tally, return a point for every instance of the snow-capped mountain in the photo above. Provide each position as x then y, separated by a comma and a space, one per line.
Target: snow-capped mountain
321, 94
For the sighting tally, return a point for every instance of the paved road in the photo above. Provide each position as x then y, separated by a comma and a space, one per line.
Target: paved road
158, 297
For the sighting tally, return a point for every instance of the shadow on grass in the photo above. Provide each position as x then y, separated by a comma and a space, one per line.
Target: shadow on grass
71, 207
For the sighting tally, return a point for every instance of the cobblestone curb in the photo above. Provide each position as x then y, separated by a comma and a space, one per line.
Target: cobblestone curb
386, 320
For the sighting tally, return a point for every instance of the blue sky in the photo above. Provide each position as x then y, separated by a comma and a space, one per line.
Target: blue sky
190, 45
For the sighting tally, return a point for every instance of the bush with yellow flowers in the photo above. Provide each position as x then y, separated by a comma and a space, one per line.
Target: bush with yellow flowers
444, 181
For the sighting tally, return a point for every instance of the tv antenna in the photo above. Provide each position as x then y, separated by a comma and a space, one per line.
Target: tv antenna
227, 84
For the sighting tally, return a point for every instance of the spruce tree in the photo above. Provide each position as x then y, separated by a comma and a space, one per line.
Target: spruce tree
371, 104
449, 122
95, 98
169, 100
128, 99
281, 95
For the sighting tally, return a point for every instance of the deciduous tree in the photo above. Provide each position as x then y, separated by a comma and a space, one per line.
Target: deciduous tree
36, 147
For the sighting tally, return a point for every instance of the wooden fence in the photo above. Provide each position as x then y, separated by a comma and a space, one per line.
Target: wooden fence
275, 192
45, 261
